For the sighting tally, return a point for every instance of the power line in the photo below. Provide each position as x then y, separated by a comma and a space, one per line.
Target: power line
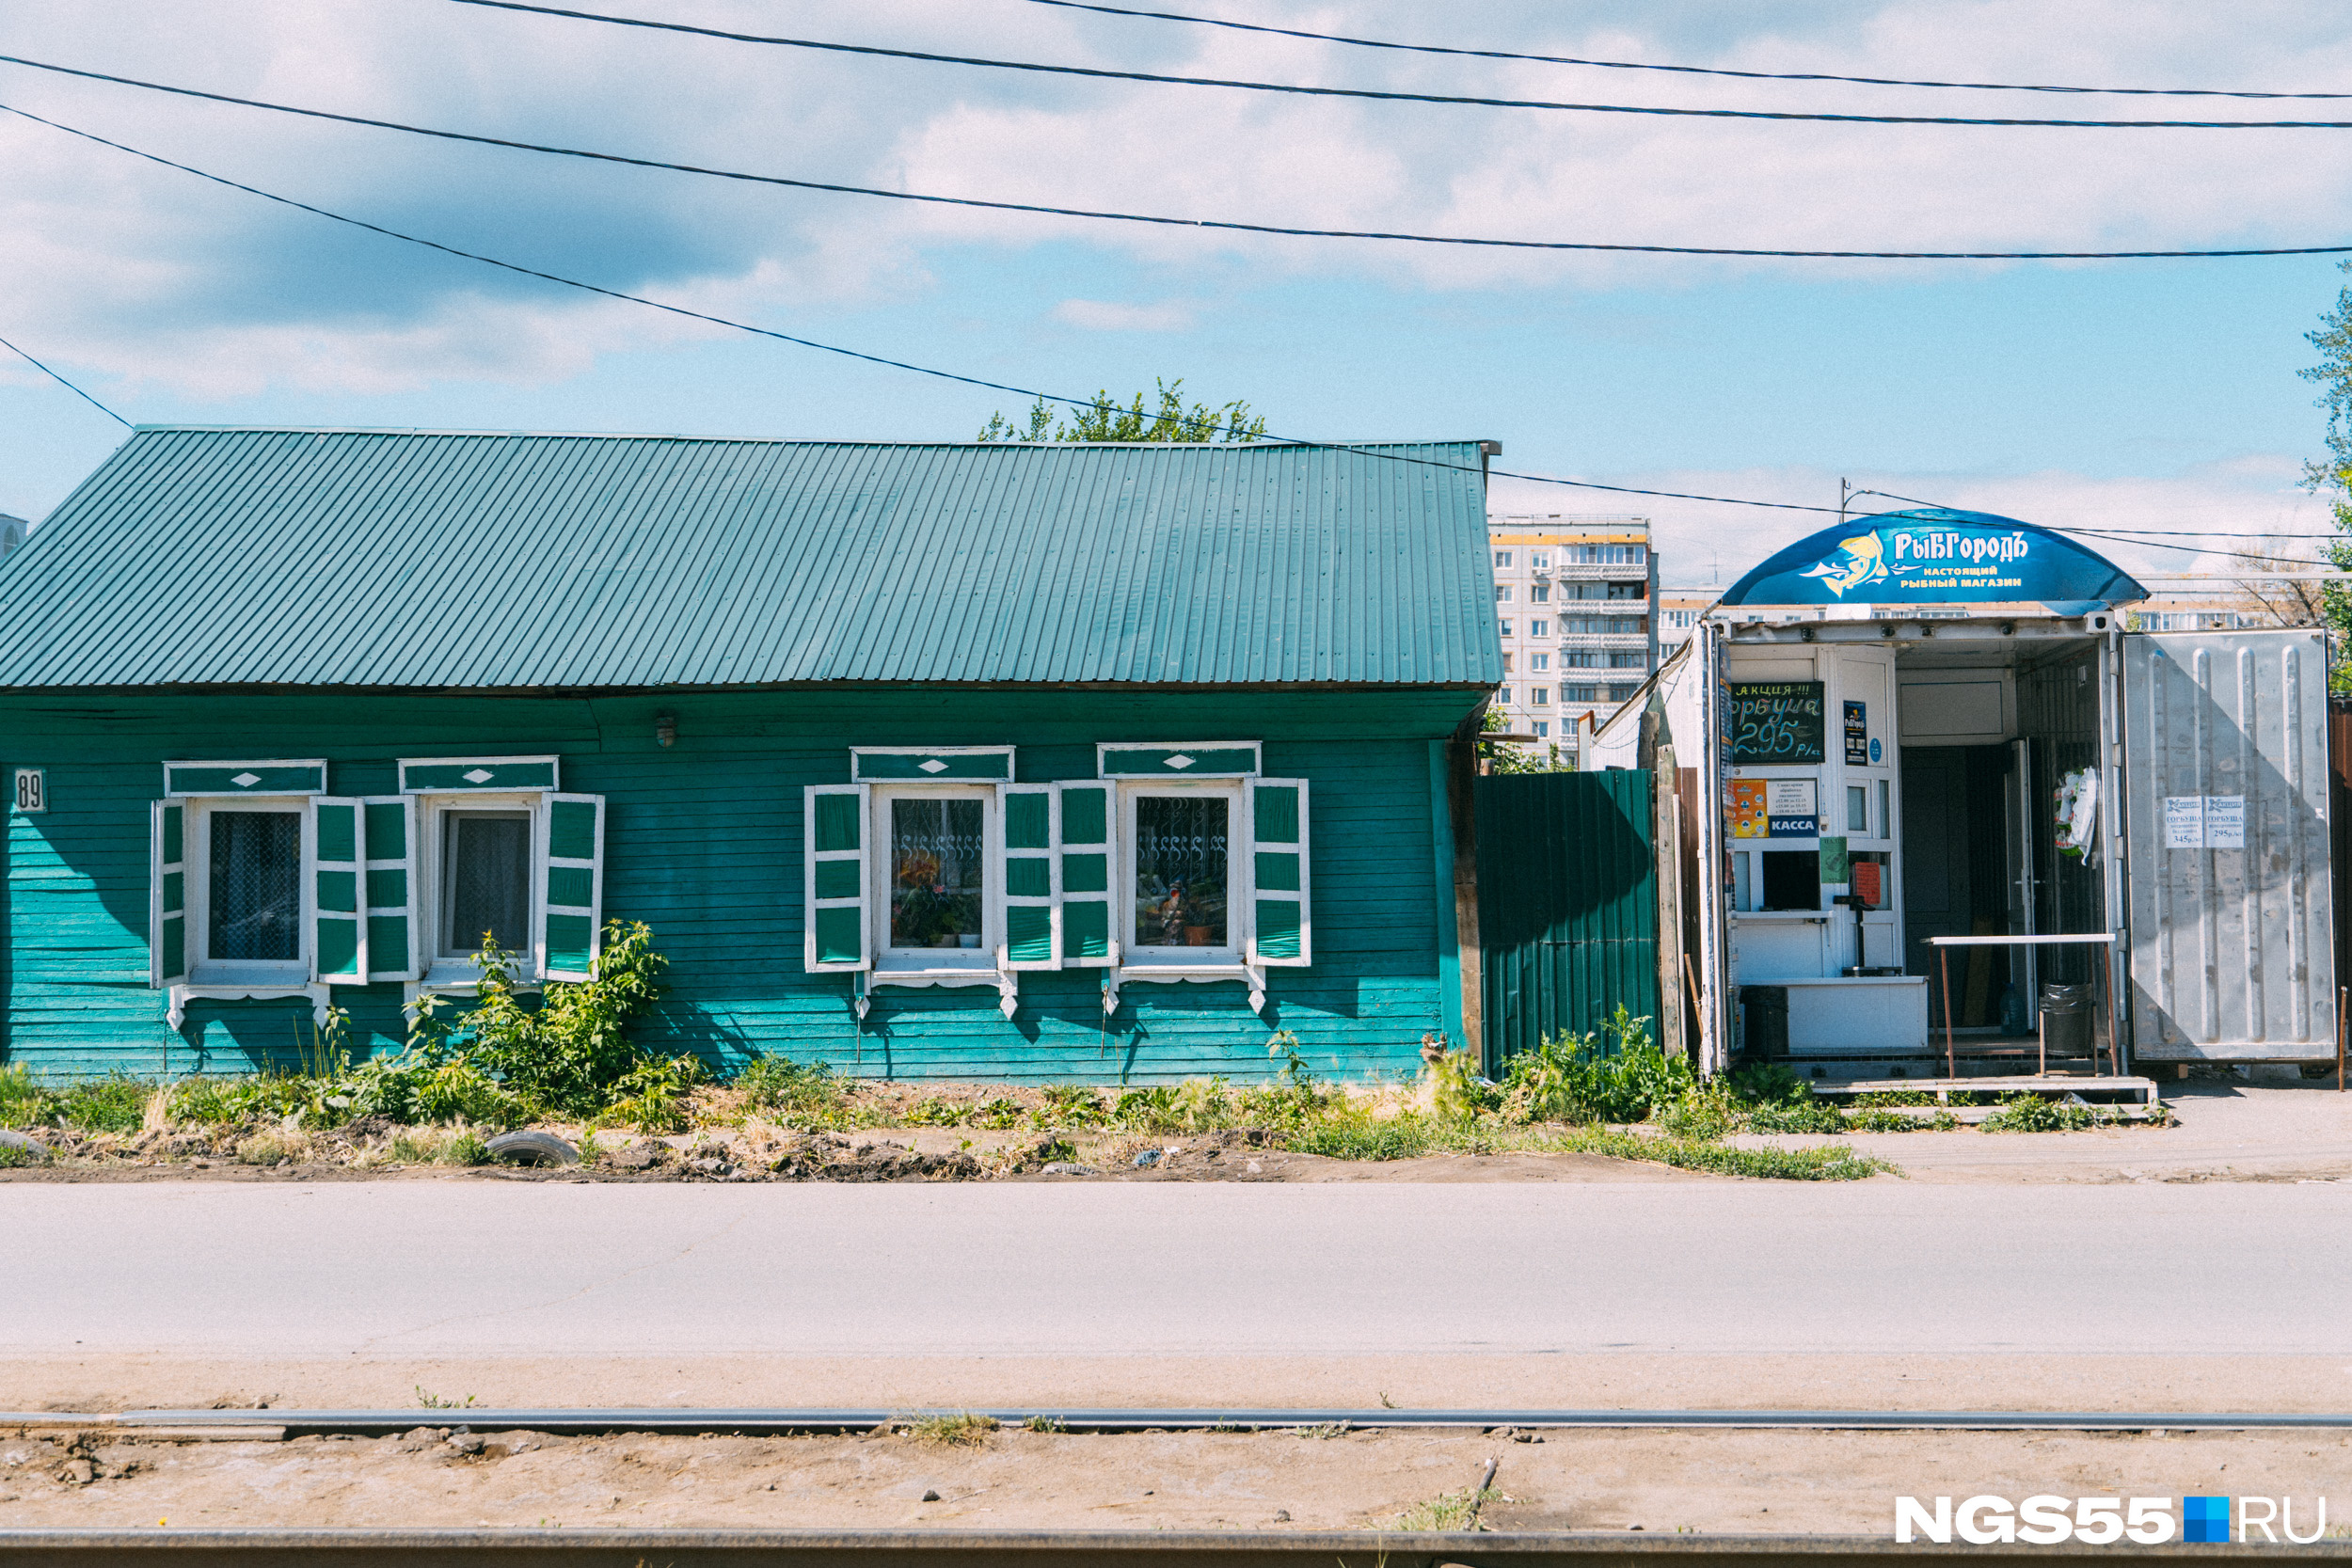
896, 364
1683, 70
1223, 225
1458, 99
64, 383
810, 342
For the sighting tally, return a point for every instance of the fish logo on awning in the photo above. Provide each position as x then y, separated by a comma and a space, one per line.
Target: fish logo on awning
1857, 560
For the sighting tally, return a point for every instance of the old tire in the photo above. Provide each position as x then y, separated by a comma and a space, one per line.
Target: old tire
11, 1138
532, 1149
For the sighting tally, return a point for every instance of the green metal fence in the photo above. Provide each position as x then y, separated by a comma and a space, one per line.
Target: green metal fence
1567, 903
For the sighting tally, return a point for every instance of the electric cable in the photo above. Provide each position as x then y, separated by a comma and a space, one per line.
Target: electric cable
1681, 70
1223, 225
1086, 403
67, 385
1377, 95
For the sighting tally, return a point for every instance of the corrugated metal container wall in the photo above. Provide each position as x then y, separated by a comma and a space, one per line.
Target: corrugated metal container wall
2233, 946
1567, 903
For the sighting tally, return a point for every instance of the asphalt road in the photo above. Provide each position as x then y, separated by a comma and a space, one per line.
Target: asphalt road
472, 1268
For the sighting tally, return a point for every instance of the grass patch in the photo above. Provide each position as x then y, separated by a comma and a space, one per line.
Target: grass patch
1046, 1423
2030, 1113
1452, 1511
962, 1429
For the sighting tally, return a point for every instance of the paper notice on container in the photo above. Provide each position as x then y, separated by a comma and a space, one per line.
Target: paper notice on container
2225, 821
2185, 821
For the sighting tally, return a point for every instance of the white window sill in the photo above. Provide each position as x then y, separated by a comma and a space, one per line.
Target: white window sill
1204, 972
222, 991
985, 970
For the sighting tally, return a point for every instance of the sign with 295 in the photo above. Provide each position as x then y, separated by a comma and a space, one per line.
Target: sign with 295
2046, 1521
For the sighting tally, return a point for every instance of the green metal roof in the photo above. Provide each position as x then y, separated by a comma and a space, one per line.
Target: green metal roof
333, 558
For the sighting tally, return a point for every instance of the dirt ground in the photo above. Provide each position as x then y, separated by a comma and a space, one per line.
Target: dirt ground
2271, 1126
1666, 1481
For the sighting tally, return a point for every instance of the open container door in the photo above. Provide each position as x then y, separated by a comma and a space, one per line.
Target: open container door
2226, 854
1718, 962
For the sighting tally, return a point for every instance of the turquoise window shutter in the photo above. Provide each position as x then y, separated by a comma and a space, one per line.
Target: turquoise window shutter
389, 889
572, 903
167, 895
1281, 926
1032, 922
339, 932
837, 898
1082, 812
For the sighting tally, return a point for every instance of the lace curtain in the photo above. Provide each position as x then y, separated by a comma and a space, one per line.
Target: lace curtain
256, 885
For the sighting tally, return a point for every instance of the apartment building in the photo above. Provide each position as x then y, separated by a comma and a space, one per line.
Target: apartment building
1573, 596
1678, 611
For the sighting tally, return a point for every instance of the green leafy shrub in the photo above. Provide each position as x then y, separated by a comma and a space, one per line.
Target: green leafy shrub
2030, 1113
571, 1051
1614, 1075
110, 1104
996, 1115
804, 1096
1403, 1139
932, 1111
23, 1103
1069, 1105
1775, 1099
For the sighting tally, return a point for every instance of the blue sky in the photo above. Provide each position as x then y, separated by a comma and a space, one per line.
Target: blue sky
2148, 394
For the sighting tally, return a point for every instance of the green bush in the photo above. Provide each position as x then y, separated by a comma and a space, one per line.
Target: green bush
23, 1103
110, 1104
1405, 1138
1069, 1105
2030, 1113
808, 1097
1613, 1075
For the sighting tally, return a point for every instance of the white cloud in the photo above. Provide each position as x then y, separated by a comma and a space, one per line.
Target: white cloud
1095, 315
144, 271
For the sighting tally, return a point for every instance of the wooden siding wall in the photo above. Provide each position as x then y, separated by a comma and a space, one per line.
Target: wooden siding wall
704, 843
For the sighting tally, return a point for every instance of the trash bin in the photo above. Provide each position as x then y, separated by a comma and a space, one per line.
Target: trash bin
2066, 1012
1767, 1037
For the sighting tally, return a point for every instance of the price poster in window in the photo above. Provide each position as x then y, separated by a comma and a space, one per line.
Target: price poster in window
1748, 819
1857, 734
1776, 721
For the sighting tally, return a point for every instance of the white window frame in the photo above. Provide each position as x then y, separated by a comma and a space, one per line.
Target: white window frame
208, 975
1502, 592
448, 971
1227, 957
984, 965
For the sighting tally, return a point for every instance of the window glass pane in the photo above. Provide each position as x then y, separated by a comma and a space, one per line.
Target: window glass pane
1180, 871
937, 848
256, 884
486, 868
1858, 810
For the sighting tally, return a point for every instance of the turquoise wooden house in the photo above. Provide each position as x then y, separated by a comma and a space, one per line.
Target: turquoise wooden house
1029, 762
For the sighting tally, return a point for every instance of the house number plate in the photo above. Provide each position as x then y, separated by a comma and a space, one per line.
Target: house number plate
32, 790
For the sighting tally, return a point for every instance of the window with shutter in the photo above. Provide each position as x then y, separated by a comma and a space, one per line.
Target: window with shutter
239, 904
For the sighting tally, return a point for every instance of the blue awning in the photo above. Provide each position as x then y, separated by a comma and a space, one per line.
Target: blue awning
1932, 556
